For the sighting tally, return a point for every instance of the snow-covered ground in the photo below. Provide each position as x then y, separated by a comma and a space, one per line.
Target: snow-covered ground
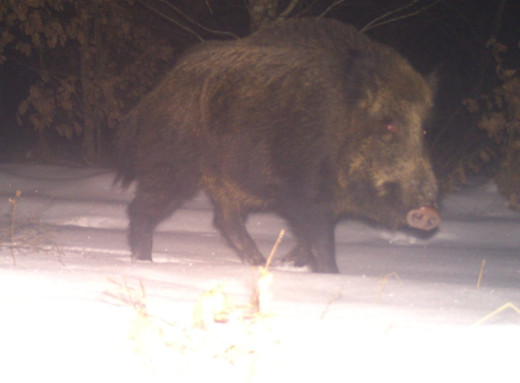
74, 308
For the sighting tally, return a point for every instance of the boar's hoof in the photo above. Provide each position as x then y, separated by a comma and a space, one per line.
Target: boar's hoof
142, 257
139, 254
297, 257
255, 259
424, 218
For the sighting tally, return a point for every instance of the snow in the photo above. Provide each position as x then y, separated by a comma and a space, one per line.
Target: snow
405, 308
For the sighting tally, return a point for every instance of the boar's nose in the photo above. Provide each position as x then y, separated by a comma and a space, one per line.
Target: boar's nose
423, 218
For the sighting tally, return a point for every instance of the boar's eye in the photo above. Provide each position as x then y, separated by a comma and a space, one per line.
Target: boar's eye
392, 128
390, 132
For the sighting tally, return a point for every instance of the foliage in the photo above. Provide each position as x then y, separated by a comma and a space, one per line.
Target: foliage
95, 58
499, 118
93, 61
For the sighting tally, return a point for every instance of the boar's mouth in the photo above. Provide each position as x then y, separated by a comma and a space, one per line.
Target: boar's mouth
385, 205
424, 218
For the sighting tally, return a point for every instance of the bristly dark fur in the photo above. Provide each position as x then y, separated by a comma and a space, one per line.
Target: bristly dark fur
307, 118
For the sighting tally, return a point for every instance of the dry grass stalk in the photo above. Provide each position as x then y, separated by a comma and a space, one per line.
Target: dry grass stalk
508, 305
27, 235
384, 280
14, 202
212, 307
336, 297
128, 295
481, 274
143, 332
275, 247
262, 297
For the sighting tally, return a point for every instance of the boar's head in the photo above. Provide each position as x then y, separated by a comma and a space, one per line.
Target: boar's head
386, 172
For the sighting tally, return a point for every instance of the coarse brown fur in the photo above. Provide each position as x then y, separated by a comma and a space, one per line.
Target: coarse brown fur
307, 118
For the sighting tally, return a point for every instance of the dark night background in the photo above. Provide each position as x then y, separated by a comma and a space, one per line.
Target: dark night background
68, 74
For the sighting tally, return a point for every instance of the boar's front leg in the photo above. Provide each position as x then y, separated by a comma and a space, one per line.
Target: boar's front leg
230, 221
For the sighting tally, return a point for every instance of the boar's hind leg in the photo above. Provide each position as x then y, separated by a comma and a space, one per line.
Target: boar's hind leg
230, 221
299, 256
153, 202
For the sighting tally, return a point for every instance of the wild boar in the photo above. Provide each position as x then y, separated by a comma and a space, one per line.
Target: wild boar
306, 118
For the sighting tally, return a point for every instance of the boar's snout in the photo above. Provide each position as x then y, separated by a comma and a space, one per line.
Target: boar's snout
423, 218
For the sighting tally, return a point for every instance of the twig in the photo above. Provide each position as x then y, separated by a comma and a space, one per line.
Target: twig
508, 305
384, 280
187, 18
377, 22
275, 247
290, 7
330, 302
129, 295
329, 8
263, 297
182, 26
14, 202
479, 280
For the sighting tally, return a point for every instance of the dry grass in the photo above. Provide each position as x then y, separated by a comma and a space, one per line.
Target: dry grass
481, 273
27, 235
495, 313
224, 337
238, 336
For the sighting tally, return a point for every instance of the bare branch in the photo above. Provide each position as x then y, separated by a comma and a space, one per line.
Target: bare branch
289, 9
156, 11
385, 15
181, 25
208, 5
307, 8
333, 5
196, 23
378, 21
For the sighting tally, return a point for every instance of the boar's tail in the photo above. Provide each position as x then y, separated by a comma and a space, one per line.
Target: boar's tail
126, 147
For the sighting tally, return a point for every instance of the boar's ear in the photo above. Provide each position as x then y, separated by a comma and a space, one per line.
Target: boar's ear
360, 81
